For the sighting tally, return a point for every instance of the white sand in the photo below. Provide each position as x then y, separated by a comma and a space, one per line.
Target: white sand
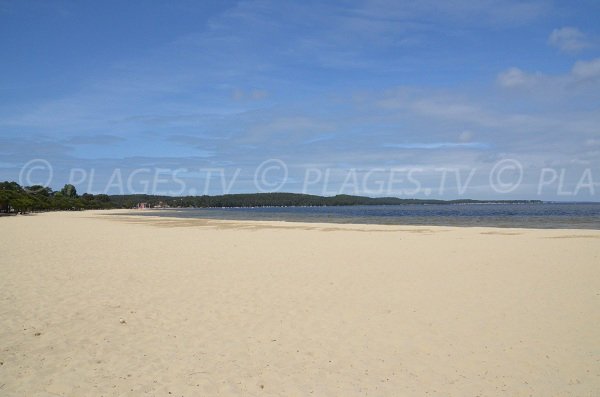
273, 309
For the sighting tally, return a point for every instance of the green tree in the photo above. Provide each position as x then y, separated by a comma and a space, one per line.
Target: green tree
39, 190
22, 204
69, 191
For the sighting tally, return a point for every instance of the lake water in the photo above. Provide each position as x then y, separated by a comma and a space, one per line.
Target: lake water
541, 215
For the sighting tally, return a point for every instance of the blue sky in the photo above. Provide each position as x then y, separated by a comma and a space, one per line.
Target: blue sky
355, 87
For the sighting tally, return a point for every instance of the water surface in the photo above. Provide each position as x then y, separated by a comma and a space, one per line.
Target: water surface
539, 215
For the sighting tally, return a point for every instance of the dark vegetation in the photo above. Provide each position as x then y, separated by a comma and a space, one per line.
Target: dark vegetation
17, 199
276, 200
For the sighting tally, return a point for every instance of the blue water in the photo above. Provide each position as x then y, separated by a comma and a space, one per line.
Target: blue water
541, 215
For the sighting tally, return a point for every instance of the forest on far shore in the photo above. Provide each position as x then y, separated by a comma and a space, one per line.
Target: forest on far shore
17, 199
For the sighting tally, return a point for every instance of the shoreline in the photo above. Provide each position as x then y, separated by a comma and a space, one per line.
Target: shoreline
503, 222
128, 212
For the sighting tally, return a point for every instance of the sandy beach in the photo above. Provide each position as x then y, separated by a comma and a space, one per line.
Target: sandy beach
93, 304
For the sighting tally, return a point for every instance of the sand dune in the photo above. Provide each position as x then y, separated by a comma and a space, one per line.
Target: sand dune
100, 305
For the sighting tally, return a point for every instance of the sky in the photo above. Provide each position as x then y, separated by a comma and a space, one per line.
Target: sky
442, 99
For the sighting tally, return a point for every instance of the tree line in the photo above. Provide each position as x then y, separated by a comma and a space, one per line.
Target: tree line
281, 200
17, 199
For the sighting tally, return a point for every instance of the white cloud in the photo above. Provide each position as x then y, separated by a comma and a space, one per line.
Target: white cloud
515, 77
581, 72
465, 136
568, 39
585, 70
255, 95
592, 142
438, 145
495, 12
286, 129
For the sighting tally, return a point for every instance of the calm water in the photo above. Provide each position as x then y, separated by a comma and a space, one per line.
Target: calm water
547, 215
